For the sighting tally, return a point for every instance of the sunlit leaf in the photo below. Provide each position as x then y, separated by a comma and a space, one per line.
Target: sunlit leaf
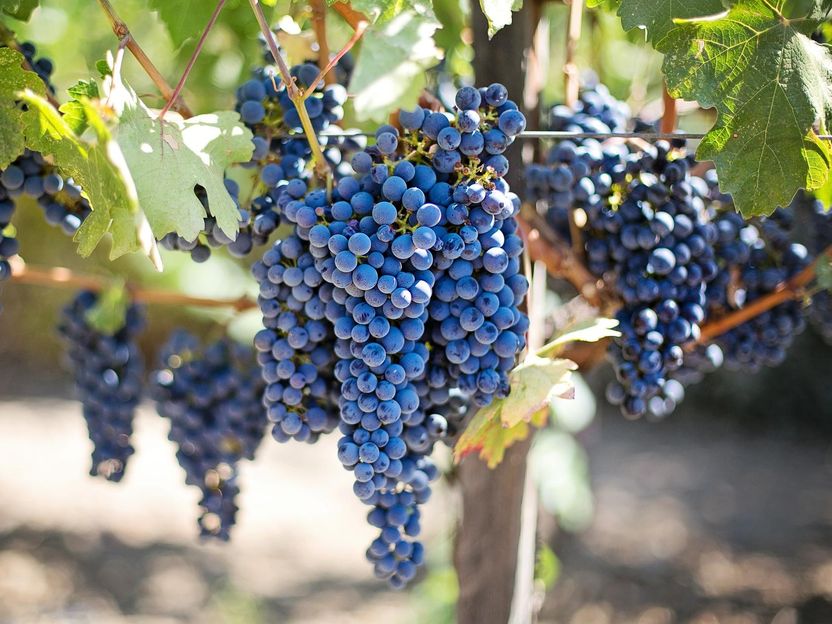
13, 79
768, 80
168, 160
390, 71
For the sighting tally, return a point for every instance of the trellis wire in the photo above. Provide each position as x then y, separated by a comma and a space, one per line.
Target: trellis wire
554, 134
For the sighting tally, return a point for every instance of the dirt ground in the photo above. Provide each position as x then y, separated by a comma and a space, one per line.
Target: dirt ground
695, 522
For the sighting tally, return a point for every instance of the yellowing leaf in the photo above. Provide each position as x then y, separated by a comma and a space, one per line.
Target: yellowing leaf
100, 171
590, 330
487, 436
534, 384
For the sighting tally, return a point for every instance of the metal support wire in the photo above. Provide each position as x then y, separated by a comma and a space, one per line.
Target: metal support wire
553, 134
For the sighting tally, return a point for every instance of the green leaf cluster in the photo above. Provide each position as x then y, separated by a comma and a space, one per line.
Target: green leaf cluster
770, 83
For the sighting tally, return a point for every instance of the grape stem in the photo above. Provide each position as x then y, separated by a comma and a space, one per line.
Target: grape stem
787, 291
322, 168
670, 115
319, 23
126, 38
192, 61
350, 15
61, 277
360, 29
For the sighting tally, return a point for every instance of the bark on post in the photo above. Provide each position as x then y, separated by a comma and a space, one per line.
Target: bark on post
486, 546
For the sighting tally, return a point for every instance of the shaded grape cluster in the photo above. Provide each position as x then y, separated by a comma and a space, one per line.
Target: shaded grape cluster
212, 396
652, 238
755, 259
573, 177
108, 372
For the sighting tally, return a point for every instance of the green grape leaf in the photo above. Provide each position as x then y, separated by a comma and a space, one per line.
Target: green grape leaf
183, 18
498, 13
824, 272
768, 81
546, 567
658, 16
390, 71
588, 330
13, 79
534, 385
385, 10
167, 160
73, 110
19, 9
110, 312
103, 68
101, 172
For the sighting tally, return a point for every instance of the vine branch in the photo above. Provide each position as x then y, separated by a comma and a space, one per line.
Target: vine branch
319, 23
125, 37
192, 61
61, 277
295, 94
787, 291
570, 68
558, 257
360, 29
350, 15
670, 115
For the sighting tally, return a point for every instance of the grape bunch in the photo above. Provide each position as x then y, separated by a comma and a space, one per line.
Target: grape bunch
109, 372
9, 245
294, 349
413, 264
212, 396
59, 198
755, 259
654, 240
42, 66
573, 178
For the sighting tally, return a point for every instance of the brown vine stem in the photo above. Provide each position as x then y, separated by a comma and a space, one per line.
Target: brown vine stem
360, 29
322, 168
350, 15
670, 115
123, 33
560, 262
572, 87
61, 277
571, 76
789, 290
319, 23
273, 48
192, 61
